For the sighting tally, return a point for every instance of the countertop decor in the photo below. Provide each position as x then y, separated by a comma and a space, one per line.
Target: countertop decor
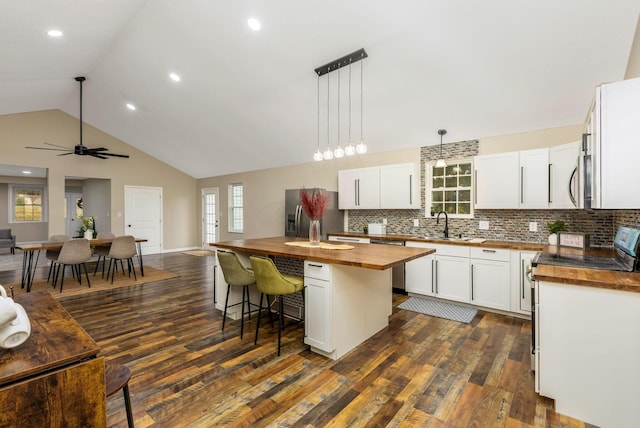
314, 206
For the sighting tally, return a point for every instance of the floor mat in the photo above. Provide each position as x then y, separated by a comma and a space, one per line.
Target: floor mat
199, 253
439, 309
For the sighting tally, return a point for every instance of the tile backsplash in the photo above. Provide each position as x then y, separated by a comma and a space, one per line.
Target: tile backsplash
506, 225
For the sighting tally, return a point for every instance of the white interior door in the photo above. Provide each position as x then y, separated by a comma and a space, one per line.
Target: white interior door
143, 216
73, 210
210, 207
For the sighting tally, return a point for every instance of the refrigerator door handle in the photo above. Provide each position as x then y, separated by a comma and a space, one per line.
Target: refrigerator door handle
299, 220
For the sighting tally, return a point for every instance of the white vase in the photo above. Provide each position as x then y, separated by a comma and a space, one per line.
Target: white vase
553, 239
314, 233
88, 234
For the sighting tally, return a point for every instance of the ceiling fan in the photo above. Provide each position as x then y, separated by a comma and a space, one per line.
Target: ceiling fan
80, 149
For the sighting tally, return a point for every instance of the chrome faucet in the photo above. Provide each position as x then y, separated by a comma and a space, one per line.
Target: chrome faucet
446, 223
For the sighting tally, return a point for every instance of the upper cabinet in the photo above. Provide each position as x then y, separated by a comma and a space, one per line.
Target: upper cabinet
497, 180
615, 127
400, 186
387, 186
534, 179
359, 188
529, 179
564, 178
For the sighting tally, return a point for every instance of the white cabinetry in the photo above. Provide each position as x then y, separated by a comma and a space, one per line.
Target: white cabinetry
616, 148
490, 278
587, 356
400, 186
497, 180
563, 175
520, 285
359, 188
318, 309
444, 274
534, 179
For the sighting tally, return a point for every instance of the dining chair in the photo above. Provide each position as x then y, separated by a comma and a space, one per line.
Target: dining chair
52, 255
236, 275
75, 253
273, 283
122, 248
102, 251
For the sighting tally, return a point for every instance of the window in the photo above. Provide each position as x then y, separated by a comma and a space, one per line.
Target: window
236, 212
449, 189
27, 203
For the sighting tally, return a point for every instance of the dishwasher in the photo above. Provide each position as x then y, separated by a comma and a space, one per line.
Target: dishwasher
397, 273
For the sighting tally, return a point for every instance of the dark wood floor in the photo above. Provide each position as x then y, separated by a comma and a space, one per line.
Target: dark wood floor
420, 371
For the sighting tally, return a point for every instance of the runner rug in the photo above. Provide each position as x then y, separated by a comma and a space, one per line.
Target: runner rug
439, 309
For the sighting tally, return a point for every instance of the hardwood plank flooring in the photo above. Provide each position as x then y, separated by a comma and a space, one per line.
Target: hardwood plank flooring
421, 371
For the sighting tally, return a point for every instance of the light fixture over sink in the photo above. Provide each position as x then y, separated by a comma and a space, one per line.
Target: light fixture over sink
441, 163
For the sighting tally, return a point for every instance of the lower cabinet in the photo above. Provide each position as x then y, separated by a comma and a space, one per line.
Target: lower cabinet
349, 239
444, 274
490, 278
318, 297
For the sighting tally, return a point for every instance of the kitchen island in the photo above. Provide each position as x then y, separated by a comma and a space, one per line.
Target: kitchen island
347, 291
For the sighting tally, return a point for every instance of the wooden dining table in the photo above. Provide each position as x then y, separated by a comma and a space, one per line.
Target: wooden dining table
29, 250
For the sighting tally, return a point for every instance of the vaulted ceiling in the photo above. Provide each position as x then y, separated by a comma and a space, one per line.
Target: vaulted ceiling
248, 99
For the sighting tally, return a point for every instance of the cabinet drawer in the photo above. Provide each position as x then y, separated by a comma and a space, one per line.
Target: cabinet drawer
350, 239
451, 250
497, 254
317, 270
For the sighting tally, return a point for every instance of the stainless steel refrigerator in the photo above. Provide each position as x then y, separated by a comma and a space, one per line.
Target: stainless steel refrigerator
297, 222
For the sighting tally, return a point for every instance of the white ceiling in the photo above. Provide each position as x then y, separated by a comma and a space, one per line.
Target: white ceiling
248, 100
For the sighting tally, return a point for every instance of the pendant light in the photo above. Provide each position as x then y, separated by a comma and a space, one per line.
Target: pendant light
339, 151
361, 148
441, 163
350, 150
317, 156
328, 154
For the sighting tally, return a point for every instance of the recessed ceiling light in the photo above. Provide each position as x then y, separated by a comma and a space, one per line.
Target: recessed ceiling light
26, 172
174, 77
131, 106
254, 24
54, 33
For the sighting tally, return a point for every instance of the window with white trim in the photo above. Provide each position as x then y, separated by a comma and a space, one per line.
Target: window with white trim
449, 188
27, 203
236, 211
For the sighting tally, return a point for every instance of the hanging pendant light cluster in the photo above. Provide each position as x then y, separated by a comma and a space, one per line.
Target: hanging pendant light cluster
336, 65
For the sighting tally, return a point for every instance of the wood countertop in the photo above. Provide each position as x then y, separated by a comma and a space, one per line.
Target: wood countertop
378, 257
510, 245
623, 281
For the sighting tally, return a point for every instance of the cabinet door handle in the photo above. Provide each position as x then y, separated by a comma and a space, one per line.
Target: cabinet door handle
475, 186
571, 185
436, 275
522, 279
484, 250
522, 185
549, 183
472, 283
432, 275
315, 265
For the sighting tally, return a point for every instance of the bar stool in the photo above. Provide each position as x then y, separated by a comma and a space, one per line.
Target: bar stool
117, 378
273, 283
236, 275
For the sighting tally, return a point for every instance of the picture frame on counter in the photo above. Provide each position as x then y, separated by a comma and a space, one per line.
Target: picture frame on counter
573, 240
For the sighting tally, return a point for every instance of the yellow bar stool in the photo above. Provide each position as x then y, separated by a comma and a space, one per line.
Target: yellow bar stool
236, 275
273, 283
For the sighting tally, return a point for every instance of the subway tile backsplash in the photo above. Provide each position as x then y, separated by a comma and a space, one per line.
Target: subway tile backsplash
506, 225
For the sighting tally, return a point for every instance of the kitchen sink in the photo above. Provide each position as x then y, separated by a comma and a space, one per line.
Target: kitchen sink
451, 238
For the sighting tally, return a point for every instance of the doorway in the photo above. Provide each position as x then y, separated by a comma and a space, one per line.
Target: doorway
143, 216
210, 206
73, 212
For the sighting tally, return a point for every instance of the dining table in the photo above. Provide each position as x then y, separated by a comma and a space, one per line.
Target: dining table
30, 249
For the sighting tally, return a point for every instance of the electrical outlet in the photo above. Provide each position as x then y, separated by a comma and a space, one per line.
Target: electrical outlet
483, 225
384, 221
416, 222
533, 226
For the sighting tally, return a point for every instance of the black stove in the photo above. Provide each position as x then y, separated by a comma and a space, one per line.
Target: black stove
626, 260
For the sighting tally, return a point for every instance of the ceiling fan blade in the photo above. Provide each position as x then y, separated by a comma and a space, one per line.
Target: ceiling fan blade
97, 155
99, 149
46, 148
64, 154
115, 154
56, 145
